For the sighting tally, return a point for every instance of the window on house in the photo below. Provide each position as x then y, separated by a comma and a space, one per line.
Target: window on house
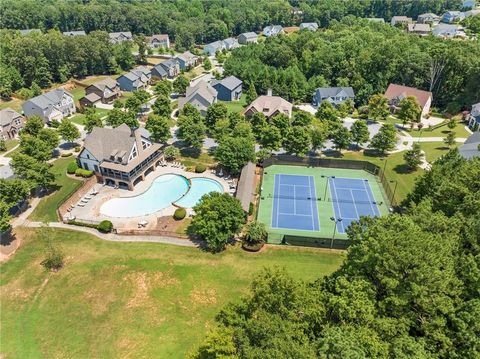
88, 156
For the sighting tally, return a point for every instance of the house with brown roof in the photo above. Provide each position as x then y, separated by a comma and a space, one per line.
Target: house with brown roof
291, 29
201, 96
120, 156
419, 29
160, 40
187, 60
400, 20
396, 93
104, 91
270, 106
11, 122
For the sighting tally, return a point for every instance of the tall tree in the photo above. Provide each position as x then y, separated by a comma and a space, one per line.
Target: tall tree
385, 139
235, 152
378, 108
410, 110
68, 131
359, 132
158, 127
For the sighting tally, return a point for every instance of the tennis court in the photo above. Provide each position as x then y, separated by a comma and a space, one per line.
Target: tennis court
351, 198
295, 203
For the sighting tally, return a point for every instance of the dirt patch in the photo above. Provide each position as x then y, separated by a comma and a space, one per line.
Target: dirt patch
167, 223
143, 283
129, 346
9, 243
203, 296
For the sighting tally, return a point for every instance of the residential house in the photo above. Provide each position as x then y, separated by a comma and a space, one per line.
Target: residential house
448, 31
118, 37
201, 96
53, 105
11, 122
376, 19
247, 38
400, 20
186, 60
312, 26
419, 29
230, 43
270, 106
212, 48
166, 69
228, 89
137, 79
428, 18
396, 93
160, 40
452, 16
104, 91
272, 30
474, 118
74, 33
469, 4
29, 31
471, 147
120, 156
291, 29
334, 95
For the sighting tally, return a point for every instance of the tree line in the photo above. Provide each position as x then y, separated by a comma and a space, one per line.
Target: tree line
408, 288
366, 56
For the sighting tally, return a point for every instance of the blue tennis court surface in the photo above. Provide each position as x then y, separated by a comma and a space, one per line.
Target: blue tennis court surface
294, 203
351, 199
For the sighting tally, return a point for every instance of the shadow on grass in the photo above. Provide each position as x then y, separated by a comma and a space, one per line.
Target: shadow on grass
403, 169
443, 148
190, 152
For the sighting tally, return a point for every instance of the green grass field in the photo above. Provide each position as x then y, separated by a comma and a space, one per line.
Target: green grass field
79, 118
128, 300
10, 144
325, 207
236, 106
47, 208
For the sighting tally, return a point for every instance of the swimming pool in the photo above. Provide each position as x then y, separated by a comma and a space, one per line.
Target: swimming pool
164, 191
199, 187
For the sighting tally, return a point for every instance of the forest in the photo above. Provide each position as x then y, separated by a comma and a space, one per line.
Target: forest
409, 286
366, 56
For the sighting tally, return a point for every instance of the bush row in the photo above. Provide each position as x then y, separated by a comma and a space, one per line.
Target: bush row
103, 226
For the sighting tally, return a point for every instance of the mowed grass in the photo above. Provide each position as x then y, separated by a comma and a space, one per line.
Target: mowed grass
434, 150
128, 300
10, 144
46, 211
236, 106
79, 118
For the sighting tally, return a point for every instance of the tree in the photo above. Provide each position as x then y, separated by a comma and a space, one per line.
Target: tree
37, 173
54, 257
35, 147
171, 153
50, 137
270, 138
251, 93
116, 117
13, 191
191, 130
410, 110
258, 121
451, 124
297, 141
222, 128
378, 108
235, 152
180, 84
255, 232
413, 157
162, 106
68, 131
282, 122
342, 138
385, 139
163, 88
207, 64
158, 127
36, 90
359, 132
3, 145
218, 217
215, 112
326, 112
318, 135
92, 120
4, 217
133, 104
33, 125
302, 118
450, 139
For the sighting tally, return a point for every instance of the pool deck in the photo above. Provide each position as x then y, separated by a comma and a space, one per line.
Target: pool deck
90, 213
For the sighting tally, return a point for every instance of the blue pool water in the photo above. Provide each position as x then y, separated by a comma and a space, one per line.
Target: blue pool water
164, 191
200, 186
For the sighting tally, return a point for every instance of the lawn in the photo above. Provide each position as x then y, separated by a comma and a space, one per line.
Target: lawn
441, 131
46, 211
10, 144
79, 118
14, 103
434, 150
128, 300
236, 106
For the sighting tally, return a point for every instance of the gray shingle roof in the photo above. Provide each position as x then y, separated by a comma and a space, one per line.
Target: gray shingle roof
49, 98
334, 91
475, 110
470, 148
105, 83
74, 33
7, 115
249, 35
102, 142
230, 82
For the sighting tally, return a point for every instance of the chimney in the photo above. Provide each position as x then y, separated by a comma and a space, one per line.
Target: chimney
269, 92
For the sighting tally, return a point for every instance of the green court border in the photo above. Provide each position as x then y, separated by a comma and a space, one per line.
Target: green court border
325, 208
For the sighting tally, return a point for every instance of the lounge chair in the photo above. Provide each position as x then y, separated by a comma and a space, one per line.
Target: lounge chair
81, 205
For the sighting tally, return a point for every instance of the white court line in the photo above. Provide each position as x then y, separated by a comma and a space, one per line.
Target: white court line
294, 201
370, 200
354, 205
311, 205
338, 206
294, 185
278, 203
293, 214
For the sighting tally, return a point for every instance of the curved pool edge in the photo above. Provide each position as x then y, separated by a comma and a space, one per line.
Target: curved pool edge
189, 189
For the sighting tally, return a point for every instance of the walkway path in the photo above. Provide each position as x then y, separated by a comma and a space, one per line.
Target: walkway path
6, 160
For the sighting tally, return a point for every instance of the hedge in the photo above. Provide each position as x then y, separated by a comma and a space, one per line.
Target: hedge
68, 154
179, 214
83, 173
72, 168
105, 226
200, 168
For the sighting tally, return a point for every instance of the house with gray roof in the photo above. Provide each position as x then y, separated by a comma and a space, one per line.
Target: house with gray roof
186, 60
230, 43
400, 20
118, 37
201, 96
29, 31
212, 48
419, 29
137, 79
160, 40
247, 38
312, 26
449, 31
471, 147
228, 89
450, 17
53, 105
74, 33
474, 118
166, 69
428, 18
120, 156
104, 91
334, 95
272, 30
11, 122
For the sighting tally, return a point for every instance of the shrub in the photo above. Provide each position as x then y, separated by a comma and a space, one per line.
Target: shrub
171, 153
54, 258
251, 207
80, 172
68, 154
77, 149
256, 232
105, 226
200, 168
72, 168
179, 214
